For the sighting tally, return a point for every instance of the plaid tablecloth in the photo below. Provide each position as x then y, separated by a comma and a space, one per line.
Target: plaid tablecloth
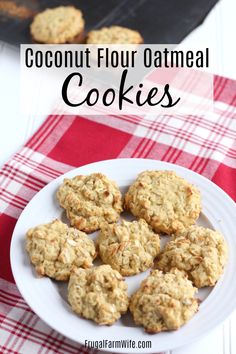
206, 145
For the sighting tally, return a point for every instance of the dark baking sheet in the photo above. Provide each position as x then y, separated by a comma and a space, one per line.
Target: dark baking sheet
159, 21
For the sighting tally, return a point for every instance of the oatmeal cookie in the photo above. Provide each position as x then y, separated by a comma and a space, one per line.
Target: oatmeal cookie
114, 35
200, 252
129, 247
55, 248
99, 294
62, 24
166, 201
90, 200
164, 302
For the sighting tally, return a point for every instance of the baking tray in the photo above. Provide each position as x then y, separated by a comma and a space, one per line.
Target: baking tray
159, 21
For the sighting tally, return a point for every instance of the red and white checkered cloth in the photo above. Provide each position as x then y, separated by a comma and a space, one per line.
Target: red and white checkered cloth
205, 145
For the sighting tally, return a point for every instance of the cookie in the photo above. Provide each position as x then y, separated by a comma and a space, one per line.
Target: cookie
114, 35
166, 201
164, 302
62, 24
55, 248
98, 294
199, 252
90, 200
129, 247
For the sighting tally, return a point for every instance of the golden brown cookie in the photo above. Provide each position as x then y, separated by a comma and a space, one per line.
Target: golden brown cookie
54, 249
129, 247
98, 294
164, 302
200, 252
90, 200
63, 24
166, 201
114, 35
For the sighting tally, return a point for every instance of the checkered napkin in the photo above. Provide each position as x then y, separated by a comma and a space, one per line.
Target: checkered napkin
205, 145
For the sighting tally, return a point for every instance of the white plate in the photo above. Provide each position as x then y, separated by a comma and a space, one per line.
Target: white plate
47, 298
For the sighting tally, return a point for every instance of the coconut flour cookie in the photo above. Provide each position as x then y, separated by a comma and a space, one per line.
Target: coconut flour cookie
166, 201
63, 24
200, 252
90, 200
114, 35
54, 249
99, 294
129, 247
164, 301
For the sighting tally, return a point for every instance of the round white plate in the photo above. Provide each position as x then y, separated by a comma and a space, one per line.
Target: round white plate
47, 298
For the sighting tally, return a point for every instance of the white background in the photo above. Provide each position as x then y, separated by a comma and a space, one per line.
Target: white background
217, 31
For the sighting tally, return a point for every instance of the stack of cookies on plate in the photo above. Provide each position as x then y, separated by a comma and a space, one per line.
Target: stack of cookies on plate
164, 204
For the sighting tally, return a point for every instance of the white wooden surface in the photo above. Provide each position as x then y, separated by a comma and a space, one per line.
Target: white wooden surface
218, 30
